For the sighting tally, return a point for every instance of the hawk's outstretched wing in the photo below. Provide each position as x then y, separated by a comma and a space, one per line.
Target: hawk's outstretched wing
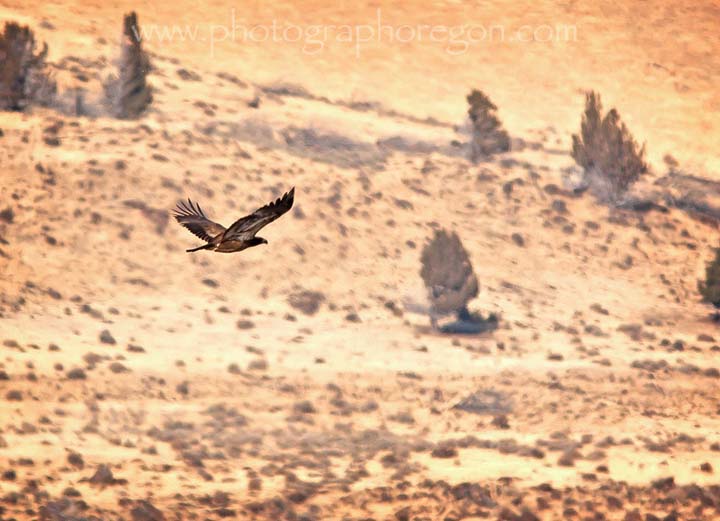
191, 216
245, 228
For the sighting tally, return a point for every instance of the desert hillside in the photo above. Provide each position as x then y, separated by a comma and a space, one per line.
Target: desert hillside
301, 379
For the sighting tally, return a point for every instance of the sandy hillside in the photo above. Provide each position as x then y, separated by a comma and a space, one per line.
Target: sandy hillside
300, 379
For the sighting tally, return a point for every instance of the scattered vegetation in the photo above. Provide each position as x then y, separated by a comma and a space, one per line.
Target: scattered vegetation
488, 135
610, 157
24, 78
710, 287
448, 275
129, 94
306, 301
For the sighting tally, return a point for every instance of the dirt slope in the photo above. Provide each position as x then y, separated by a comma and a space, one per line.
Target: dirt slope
209, 384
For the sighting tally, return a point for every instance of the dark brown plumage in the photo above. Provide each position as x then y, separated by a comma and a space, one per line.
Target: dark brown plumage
241, 234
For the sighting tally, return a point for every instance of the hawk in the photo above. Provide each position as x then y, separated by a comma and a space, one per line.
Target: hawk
240, 235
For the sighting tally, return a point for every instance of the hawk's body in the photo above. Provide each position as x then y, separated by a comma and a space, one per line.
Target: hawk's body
241, 234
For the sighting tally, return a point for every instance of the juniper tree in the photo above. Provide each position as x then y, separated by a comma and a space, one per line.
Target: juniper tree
488, 135
129, 94
606, 150
710, 287
23, 78
448, 276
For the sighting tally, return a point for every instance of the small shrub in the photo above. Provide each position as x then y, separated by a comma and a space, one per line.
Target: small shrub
488, 135
23, 75
448, 276
607, 152
710, 287
306, 301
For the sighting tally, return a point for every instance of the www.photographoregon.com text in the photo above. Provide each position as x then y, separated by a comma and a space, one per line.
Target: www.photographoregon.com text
314, 38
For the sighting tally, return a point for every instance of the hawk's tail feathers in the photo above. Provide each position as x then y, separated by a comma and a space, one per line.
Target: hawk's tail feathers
203, 247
